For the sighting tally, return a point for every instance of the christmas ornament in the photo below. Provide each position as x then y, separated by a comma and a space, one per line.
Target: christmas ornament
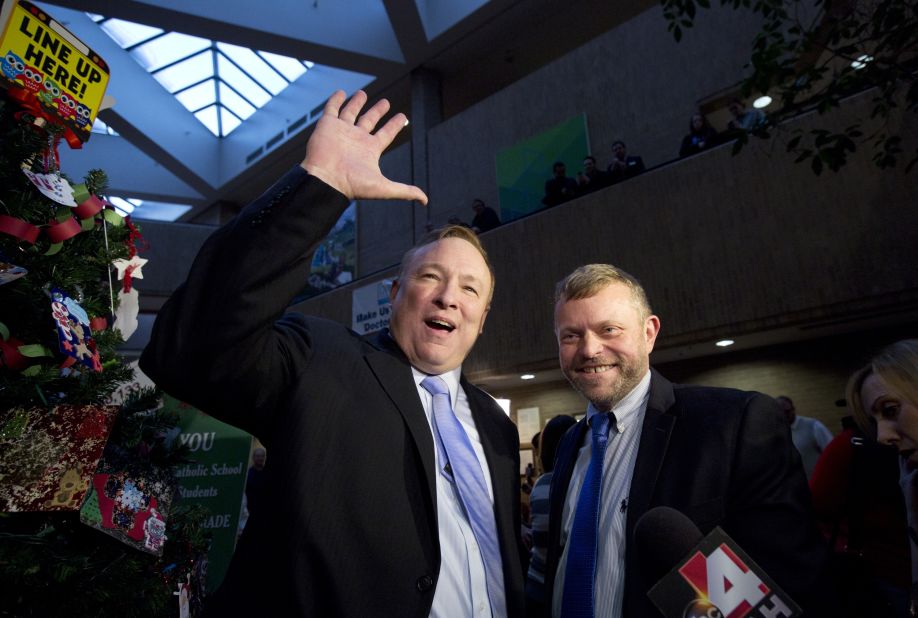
128, 299
10, 272
128, 269
52, 186
49, 455
126, 313
131, 506
73, 330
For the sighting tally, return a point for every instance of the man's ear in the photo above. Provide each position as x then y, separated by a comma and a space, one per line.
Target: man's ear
393, 290
651, 330
483, 317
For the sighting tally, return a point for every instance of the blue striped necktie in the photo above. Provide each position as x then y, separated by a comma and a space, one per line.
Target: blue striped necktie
580, 573
471, 486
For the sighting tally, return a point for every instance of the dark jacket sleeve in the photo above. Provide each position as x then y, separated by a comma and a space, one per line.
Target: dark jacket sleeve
219, 343
769, 511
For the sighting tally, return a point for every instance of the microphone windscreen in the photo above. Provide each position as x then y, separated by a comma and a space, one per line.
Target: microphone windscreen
663, 537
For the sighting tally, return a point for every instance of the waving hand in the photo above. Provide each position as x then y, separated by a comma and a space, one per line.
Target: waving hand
344, 152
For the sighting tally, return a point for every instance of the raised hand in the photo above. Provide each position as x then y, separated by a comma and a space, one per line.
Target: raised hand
344, 152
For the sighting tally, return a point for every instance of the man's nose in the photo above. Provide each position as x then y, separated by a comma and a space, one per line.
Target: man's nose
590, 346
446, 295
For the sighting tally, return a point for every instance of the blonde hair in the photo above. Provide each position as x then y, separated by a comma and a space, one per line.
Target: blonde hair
897, 366
855, 403
590, 279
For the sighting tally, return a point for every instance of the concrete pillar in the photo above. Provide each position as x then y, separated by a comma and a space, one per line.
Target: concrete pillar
426, 112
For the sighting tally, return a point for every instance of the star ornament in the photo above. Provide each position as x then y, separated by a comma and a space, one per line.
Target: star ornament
131, 266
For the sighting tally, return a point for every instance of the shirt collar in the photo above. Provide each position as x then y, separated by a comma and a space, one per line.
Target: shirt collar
630, 408
450, 377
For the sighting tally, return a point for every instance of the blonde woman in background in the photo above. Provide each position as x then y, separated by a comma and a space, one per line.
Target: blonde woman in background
885, 404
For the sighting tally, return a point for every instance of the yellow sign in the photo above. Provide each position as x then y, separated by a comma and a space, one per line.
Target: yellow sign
54, 73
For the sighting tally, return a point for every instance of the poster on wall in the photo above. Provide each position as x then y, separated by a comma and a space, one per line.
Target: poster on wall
523, 168
370, 307
527, 423
335, 261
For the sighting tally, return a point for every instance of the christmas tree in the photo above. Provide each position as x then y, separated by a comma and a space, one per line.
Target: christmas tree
71, 463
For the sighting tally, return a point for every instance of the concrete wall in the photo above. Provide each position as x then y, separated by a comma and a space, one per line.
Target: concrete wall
633, 82
813, 374
724, 245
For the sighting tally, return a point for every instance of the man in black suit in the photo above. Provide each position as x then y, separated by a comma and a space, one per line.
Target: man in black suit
364, 512
720, 456
623, 165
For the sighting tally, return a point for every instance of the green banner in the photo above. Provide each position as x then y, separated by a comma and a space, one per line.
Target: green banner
215, 478
523, 168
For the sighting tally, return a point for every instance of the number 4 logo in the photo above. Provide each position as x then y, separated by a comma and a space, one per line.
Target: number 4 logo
725, 580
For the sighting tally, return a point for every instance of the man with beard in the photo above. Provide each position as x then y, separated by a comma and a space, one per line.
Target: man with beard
722, 457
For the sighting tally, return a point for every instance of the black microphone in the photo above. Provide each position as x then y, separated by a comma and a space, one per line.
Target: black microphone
701, 576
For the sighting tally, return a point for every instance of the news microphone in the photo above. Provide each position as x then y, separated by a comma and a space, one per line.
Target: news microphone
701, 576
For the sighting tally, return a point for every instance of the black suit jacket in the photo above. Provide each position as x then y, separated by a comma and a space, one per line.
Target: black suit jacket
349, 527
724, 458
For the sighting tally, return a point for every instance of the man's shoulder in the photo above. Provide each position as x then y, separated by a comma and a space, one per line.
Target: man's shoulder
318, 330
716, 398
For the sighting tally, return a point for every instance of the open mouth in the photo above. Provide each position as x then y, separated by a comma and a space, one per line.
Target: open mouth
441, 325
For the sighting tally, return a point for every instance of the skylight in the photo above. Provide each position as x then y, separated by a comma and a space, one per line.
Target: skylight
148, 209
221, 84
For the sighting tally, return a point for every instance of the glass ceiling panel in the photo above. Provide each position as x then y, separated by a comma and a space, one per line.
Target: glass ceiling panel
230, 99
209, 118
167, 49
230, 122
186, 72
257, 68
199, 96
218, 82
289, 68
243, 84
148, 209
100, 127
127, 33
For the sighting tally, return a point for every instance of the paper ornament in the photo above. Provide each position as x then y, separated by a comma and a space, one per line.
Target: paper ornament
130, 267
73, 330
126, 313
10, 272
49, 456
52, 186
132, 506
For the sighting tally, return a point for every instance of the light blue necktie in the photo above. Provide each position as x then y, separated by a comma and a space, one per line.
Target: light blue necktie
470, 484
580, 573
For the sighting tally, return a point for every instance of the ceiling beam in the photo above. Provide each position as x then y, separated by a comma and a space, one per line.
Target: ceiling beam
215, 29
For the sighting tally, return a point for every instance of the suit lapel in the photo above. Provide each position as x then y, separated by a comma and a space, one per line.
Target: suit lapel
504, 468
394, 376
500, 465
655, 433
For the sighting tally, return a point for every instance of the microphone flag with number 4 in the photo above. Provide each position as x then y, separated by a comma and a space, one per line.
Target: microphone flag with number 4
717, 579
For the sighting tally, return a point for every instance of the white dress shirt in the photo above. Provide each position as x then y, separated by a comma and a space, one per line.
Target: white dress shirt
461, 587
617, 470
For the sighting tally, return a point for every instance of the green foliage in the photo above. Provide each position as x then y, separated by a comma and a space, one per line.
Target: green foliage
50, 563
80, 268
843, 47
